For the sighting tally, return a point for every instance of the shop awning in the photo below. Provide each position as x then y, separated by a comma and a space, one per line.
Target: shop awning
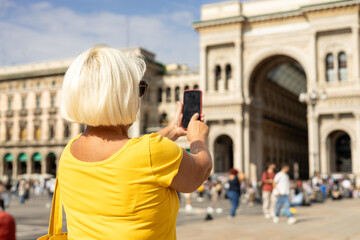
37, 157
9, 157
23, 157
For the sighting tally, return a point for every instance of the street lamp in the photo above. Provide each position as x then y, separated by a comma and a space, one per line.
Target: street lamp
312, 97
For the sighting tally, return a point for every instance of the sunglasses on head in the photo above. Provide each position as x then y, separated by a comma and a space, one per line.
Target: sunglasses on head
142, 88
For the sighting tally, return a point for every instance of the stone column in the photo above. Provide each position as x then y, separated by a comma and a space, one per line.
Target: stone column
203, 84
356, 52
355, 150
246, 141
324, 157
313, 130
237, 146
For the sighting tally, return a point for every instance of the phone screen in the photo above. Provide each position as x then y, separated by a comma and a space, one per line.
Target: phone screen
192, 105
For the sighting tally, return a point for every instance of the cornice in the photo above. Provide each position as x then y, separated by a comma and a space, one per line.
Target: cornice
302, 11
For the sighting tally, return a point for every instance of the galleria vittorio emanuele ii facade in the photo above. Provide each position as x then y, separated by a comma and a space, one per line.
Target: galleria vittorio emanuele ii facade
281, 83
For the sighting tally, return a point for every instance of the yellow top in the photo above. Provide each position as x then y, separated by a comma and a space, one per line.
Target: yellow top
126, 196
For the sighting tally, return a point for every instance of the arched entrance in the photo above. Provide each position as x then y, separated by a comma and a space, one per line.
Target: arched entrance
22, 164
36, 161
223, 154
51, 163
8, 164
339, 152
278, 121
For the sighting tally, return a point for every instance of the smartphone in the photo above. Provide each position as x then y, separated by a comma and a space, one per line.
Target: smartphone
192, 104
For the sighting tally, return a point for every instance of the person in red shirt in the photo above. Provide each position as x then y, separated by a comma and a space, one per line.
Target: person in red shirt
7, 224
269, 199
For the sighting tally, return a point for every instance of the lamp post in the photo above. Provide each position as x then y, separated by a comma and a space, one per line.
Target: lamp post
311, 99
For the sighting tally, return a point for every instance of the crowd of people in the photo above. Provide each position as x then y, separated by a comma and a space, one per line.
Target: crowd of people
278, 194
22, 189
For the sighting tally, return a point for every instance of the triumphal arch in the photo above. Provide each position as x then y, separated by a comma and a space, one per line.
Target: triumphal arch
281, 84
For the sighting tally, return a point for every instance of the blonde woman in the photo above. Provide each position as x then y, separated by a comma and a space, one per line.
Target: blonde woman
113, 186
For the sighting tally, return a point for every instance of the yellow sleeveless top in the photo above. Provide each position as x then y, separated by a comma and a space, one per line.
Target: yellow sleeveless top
126, 196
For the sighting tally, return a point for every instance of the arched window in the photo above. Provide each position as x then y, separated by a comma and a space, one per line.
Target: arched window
160, 94
330, 68
163, 119
10, 103
23, 102
186, 87
51, 132
37, 133
38, 101
168, 95
177, 94
196, 86
52, 100
228, 75
22, 133
342, 66
217, 76
66, 130
8, 133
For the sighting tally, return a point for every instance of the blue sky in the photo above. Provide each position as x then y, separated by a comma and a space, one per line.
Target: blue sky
34, 31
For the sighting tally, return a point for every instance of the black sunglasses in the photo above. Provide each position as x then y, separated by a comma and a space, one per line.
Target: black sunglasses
142, 88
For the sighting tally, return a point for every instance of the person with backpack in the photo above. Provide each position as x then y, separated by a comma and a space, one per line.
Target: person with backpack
268, 199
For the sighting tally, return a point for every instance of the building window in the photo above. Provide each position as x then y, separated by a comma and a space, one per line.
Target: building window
168, 95
82, 128
24, 85
160, 91
37, 101
38, 84
228, 75
10, 103
53, 83
22, 134
23, 102
51, 132
196, 86
10, 87
37, 133
8, 133
342, 66
52, 99
66, 130
217, 76
177, 94
330, 68
163, 119
186, 87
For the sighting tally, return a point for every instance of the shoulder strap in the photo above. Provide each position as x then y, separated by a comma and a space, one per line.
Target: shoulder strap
55, 223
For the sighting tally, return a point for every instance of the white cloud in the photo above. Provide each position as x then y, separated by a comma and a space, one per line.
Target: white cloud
43, 32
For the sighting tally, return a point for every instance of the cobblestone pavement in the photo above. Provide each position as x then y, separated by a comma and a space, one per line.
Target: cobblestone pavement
330, 221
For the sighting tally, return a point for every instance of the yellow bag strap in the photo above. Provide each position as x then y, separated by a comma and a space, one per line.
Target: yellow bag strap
55, 223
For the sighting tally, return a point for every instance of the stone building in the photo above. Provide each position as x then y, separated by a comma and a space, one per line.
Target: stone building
32, 132
281, 84
256, 59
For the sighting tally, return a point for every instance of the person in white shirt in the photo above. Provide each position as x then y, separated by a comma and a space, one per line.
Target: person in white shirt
282, 189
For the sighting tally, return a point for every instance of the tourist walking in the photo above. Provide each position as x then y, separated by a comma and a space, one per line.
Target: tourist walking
268, 199
282, 188
233, 192
22, 191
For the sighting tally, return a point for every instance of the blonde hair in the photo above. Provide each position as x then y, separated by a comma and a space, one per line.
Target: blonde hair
101, 87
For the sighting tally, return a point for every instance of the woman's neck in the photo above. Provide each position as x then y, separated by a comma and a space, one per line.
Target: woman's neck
108, 132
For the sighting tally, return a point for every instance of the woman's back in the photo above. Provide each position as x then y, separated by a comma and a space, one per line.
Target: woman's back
126, 195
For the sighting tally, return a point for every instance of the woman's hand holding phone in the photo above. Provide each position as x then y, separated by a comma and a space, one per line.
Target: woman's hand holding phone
197, 130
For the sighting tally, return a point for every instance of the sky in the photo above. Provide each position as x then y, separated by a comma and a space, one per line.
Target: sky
36, 31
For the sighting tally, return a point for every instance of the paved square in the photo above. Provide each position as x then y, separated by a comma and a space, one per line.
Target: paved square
331, 221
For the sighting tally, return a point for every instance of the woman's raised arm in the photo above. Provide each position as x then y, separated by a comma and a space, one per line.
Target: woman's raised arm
196, 166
